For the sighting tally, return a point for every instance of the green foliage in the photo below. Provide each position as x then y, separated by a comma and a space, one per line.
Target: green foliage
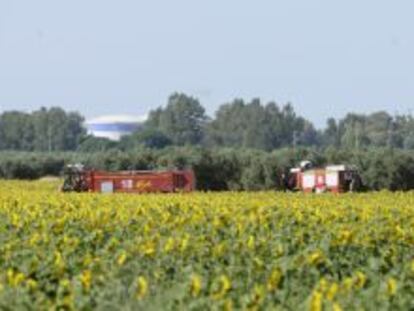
43, 130
19, 165
387, 169
379, 129
94, 144
147, 137
253, 125
181, 121
16, 131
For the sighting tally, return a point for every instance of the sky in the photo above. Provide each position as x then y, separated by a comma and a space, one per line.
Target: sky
326, 57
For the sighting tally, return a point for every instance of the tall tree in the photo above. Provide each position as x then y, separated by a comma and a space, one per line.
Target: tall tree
55, 129
353, 129
254, 125
182, 120
331, 134
16, 131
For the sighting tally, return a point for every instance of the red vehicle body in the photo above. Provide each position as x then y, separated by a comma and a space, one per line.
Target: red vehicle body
140, 181
81, 180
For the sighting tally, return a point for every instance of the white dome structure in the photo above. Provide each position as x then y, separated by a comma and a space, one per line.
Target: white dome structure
113, 127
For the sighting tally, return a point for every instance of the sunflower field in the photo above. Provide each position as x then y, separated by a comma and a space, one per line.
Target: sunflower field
204, 251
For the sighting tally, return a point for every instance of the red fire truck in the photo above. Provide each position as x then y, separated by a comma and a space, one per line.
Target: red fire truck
79, 179
332, 178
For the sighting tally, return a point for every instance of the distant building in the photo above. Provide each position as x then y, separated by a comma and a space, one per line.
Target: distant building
113, 127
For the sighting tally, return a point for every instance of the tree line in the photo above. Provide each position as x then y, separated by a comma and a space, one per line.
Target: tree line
223, 168
183, 121
266, 126
45, 129
247, 145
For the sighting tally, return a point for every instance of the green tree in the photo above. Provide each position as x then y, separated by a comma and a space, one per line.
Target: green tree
379, 127
258, 126
331, 134
16, 131
353, 129
182, 120
55, 129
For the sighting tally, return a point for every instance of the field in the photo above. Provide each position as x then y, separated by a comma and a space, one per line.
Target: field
202, 251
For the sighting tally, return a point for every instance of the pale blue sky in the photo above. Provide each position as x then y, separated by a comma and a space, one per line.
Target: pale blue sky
327, 57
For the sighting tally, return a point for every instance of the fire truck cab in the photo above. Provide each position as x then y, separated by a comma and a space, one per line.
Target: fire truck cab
332, 178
